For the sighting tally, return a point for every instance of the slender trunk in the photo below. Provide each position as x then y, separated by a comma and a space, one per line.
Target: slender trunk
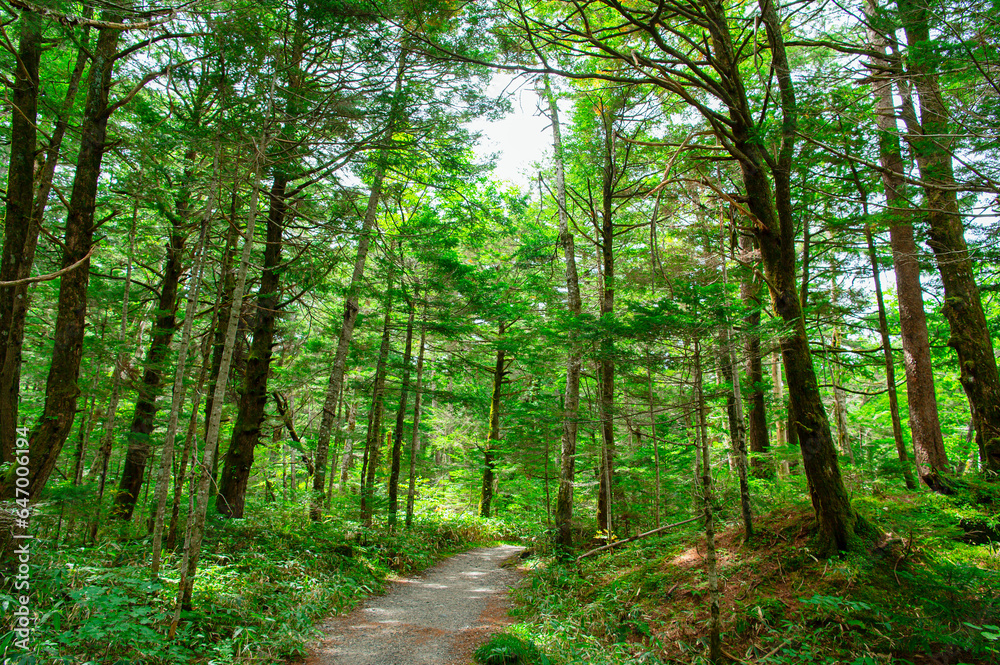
411, 493
348, 458
231, 499
574, 354
737, 423
18, 226
351, 301
932, 143
652, 434
397, 439
177, 402
143, 418
777, 380
705, 481
890, 370
223, 299
175, 505
761, 462
493, 439
49, 434
338, 438
86, 426
374, 440
196, 517
607, 361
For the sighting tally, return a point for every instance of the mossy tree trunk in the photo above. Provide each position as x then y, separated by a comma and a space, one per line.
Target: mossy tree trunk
490, 451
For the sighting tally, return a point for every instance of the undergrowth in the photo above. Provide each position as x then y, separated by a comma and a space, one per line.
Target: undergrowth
262, 584
921, 592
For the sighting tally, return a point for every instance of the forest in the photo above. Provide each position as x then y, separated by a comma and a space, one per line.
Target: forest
274, 330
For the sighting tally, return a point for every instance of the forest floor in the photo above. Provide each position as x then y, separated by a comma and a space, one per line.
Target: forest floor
923, 589
436, 618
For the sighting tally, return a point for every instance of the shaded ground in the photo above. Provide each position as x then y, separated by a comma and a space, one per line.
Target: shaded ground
436, 618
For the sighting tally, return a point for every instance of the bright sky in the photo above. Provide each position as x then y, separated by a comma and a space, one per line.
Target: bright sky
522, 138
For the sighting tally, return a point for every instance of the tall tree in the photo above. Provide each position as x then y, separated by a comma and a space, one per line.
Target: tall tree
932, 143
574, 355
50, 432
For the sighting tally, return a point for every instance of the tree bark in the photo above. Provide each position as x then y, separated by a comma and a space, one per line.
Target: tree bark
175, 505
223, 299
231, 499
143, 418
606, 363
61, 392
179, 389
13, 325
200, 496
931, 144
397, 437
373, 441
411, 493
890, 370
761, 463
574, 354
493, 439
19, 231
737, 423
775, 230
705, 482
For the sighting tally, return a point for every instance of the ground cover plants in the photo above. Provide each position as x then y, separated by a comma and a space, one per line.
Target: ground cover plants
267, 580
918, 593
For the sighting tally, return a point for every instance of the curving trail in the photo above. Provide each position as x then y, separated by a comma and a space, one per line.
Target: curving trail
436, 618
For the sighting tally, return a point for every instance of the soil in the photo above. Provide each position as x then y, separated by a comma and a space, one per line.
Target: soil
436, 618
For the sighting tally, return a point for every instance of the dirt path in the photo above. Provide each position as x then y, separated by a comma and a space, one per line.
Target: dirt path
436, 618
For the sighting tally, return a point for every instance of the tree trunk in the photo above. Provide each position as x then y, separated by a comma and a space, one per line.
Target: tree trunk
890, 370
175, 505
351, 301
143, 418
761, 463
606, 368
411, 493
86, 427
737, 424
711, 567
932, 144
13, 326
774, 227
397, 439
574, 354
200, 496
179, 389
348, 460
50, 432
490, 451
231, 499
19, 231
224, 299
652, 435
374, 440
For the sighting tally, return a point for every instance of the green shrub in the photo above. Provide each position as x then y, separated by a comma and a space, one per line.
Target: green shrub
506, 649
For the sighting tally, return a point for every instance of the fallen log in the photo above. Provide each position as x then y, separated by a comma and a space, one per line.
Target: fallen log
636, 537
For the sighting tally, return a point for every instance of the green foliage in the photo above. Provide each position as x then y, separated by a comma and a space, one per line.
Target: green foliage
507, 649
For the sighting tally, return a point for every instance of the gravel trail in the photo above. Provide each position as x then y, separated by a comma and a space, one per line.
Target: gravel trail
436, 618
